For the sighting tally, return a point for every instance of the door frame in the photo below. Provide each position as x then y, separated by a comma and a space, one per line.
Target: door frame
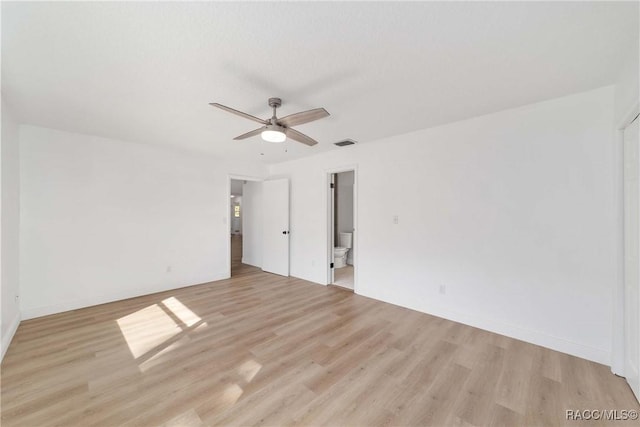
618, 336
227, 217
329, 236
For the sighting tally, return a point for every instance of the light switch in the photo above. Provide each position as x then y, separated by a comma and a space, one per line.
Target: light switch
395, 219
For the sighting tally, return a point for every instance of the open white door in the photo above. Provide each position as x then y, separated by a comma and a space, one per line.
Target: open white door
275, 229
632, 257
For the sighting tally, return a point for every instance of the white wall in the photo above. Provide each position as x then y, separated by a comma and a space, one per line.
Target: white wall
103, 219
627, 97
252, 220
627, 85
10, 228
510, 211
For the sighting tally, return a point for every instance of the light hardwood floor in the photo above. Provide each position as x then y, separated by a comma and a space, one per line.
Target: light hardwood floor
260, 349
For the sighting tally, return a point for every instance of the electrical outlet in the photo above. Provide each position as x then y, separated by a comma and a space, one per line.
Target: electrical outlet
395, 219
168, 269
443, 289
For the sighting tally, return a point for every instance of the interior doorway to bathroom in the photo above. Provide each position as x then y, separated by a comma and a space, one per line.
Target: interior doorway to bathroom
342, 209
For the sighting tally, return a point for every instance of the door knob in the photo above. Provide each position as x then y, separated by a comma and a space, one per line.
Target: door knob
285, 232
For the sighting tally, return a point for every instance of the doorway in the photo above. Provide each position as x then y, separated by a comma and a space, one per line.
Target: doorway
259, 230
342, 237
244, 225
235, 225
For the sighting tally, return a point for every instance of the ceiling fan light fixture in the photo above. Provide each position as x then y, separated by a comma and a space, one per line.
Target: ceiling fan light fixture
274, 133
278, 130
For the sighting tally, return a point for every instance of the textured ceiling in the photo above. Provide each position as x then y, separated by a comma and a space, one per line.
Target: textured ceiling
146, 72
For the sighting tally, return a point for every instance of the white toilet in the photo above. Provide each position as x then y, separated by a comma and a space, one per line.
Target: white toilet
341, 251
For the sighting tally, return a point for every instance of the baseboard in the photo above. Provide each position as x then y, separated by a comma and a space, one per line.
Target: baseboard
509, 330
33, 312
11, 331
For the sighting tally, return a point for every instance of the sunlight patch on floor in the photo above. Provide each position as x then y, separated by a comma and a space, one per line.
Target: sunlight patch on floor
147, 328
231, 394
187, 419
187, 316
249, 369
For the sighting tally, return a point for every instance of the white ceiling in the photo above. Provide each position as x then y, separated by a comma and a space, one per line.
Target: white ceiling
146, 72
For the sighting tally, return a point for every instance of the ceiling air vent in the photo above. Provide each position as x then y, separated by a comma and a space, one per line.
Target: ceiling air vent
345, 143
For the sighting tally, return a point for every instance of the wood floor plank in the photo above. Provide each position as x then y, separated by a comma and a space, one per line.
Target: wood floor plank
511, 391
479, 393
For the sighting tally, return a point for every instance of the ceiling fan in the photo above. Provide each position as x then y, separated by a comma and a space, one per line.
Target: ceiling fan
278, 130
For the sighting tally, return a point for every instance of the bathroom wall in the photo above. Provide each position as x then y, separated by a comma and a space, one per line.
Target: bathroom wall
344, 206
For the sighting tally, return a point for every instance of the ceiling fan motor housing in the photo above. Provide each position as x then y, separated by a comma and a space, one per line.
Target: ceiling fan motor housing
275, 102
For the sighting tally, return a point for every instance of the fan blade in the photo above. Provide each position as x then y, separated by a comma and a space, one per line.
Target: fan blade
300, 137
303, 117
239, 113
250, 134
